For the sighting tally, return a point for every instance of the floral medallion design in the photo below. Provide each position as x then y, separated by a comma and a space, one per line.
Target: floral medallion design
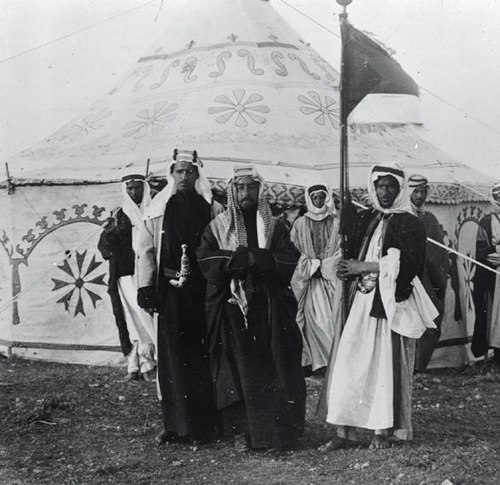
80, 282
239, 109
90, 123
151, 121
325, 110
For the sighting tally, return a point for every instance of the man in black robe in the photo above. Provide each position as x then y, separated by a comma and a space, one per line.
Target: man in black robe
254, 342
436, 268
487, 284
177, 216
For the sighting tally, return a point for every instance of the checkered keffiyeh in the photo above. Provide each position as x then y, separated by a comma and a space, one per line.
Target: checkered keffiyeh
236, 223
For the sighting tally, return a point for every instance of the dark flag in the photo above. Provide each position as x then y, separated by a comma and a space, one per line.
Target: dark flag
368, 68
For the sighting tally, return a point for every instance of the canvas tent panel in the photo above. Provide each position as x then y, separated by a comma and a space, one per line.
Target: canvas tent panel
54, 299
461, 223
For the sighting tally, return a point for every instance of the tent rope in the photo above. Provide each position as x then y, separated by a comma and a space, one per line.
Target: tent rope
46, 44
450, 250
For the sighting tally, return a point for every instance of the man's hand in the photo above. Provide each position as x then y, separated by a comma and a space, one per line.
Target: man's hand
146, 299
494, 259
353, 267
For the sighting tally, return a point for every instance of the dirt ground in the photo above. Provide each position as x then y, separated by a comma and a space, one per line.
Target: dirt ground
67, 424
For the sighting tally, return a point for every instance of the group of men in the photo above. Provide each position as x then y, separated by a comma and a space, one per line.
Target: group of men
243, 305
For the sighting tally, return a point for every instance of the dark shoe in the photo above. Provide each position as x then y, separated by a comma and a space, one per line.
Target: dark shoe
166, 437
241, 443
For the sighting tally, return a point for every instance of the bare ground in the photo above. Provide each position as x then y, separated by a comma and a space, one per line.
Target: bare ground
67, 424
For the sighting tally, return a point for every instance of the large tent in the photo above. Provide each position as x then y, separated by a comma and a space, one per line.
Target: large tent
237, 84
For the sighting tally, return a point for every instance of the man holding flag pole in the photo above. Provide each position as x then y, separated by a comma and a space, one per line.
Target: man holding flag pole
369, 381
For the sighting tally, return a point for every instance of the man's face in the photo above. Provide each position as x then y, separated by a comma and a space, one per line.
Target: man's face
185, 175
247, 193
318, 199
135, 190
419, 196
387, 189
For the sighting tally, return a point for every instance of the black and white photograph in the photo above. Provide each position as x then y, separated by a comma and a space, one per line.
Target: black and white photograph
250, 242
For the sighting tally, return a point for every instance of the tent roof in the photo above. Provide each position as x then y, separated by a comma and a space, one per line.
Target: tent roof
238, 91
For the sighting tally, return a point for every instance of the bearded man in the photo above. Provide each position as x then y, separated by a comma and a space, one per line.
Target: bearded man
436, 268
176, 218
315, 282
370, 381
255, 344
118, 244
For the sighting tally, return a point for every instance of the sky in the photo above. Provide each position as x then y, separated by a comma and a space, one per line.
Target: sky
58, 56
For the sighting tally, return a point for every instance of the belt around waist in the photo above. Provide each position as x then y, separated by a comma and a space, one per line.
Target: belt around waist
171, 273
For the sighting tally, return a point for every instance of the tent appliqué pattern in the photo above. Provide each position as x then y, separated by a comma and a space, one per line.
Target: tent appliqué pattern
469, 214
324, 110
19, 253
153, 122
82, 277
243, 110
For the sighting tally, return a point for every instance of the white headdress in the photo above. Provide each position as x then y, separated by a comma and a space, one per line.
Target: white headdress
319, 213
402, 201
202, 185
133, 211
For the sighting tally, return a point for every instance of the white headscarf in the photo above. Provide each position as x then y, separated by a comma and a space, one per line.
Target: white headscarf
202, 185
319, 213
402, 202
415, 181
133, 211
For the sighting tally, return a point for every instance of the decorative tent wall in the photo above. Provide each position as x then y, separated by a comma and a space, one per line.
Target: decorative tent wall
234, 82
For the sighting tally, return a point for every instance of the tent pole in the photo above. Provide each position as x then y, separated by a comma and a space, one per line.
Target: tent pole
344, 169
11, 188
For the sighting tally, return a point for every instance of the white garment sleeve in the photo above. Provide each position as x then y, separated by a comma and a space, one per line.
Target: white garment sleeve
412, 316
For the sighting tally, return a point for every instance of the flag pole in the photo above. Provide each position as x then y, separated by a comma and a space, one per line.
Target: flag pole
344, 177
344, 162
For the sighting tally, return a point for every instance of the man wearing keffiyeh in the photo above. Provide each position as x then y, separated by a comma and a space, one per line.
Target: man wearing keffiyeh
369, 382
487, 284
176, 217
436, 268
255, 344
118, 244
315, 282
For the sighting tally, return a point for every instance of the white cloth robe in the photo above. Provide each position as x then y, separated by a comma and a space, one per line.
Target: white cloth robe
319, 298
360, 387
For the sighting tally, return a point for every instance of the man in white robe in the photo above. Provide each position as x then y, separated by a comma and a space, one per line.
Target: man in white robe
315, 282
118, 244
370, 381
